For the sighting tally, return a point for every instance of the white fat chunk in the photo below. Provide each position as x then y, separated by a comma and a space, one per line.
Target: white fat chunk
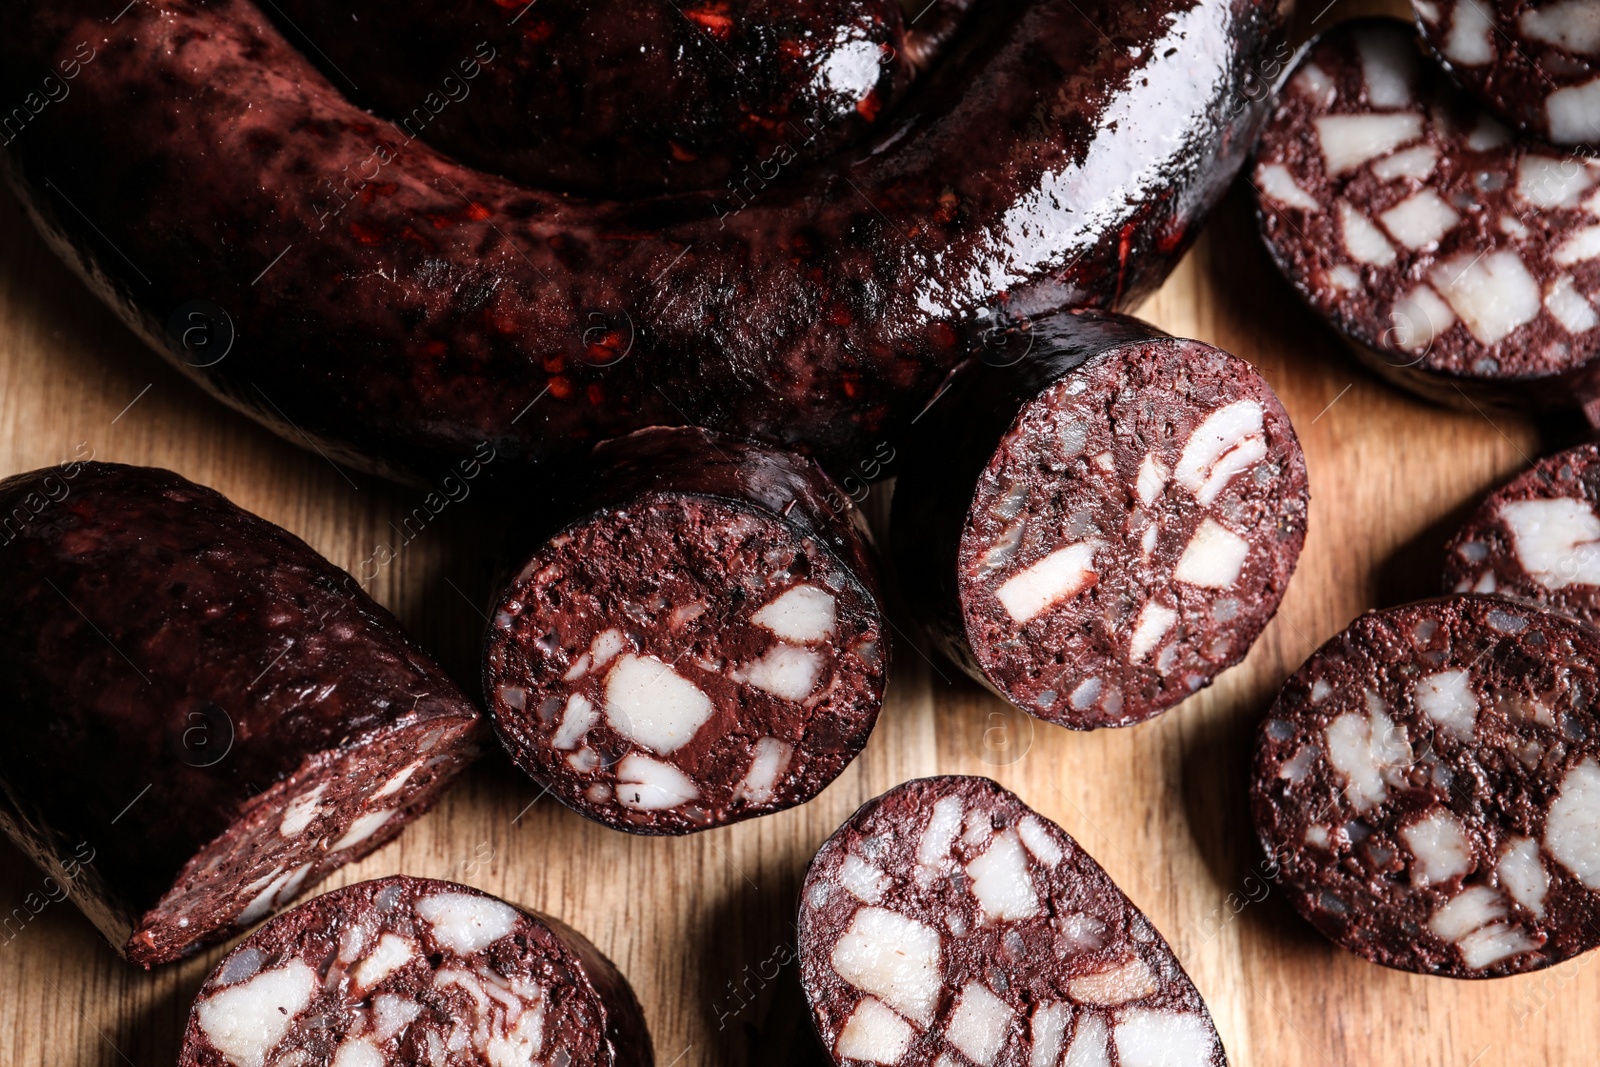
1488, 133
1470, 42
1343, 276
1545, 181
357, 1052
1493, 294
301, 810
1581, 247
1317, 835
1569, 306
894, 958
1419, 221
1037, 840
1465, 912
1128, 980
605, 646
361, 830
804, 614
1150, 1038
1571, 25
978, 828
787, 672
245, 1022
1572, 826
1350, 140
466, 923
1227, 443
1555, 540
1152, 478
390, 954
979, 1024
1002, 881
861, 879
398, 782
1361, 747
1447, 699
1315, 83
277, 887
644, 784
1417, 163
1523, 875
392, 1015
1274, 180
1364, 242
579, 668
1439, 843
654, 706
1388, 66
1574, 113
1090, 1045
944, 824
1061, 575
1419, 317
1048, 1033
1154, 623
768, 760
578, 719
1214, 557
1486, 947
874, 1034
1513, 227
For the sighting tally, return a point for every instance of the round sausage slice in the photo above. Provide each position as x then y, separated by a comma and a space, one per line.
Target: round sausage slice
1428, 787
699, 642
202, 716
414, 971
947, 924
1099, 529
1535, 62
1463, 262
1537, 537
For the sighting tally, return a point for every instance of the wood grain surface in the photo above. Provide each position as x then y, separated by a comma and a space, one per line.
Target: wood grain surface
703, 926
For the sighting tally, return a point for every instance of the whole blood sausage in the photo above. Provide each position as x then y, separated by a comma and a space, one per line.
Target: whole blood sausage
1537, 538
1099, 529
414, 971
1535, 62
1463, 262
946, 923
196, 699
396, 306
1427, 786
698, 641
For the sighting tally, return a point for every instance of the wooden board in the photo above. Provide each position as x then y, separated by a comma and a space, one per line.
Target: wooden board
703, 926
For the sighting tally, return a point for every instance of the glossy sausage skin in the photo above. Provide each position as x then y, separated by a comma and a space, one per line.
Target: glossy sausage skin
399, 307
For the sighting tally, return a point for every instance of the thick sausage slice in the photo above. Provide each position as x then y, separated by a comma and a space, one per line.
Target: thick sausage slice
1428, 786
1098, 530
947, 924
414, 971
698, 642
1535, 62
194, 698
1537, 537
1462, 261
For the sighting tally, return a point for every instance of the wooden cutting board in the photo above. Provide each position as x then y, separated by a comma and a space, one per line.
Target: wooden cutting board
703, 926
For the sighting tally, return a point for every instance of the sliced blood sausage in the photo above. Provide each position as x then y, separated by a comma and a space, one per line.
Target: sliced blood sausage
1462, 261
209, 713
399, 307
1535, 62
1428, 785
414, 971
947, 924
1098, 530
699, 642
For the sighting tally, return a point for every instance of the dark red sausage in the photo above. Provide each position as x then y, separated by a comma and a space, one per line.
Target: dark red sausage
1428, 785
946, 923
1462, 261
398, 306
414, 971
1098, 528
203, 717
698, 641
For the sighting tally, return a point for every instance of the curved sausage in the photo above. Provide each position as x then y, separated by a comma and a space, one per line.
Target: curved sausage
398, 307
1098, 528
1428, 782
203, 713
414, 971
699, 640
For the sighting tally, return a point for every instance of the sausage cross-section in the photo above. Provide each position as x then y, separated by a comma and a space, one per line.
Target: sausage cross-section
1461, 260
698, 642
1427, 786
1098, 530
196, 699
947, 924
414, 971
